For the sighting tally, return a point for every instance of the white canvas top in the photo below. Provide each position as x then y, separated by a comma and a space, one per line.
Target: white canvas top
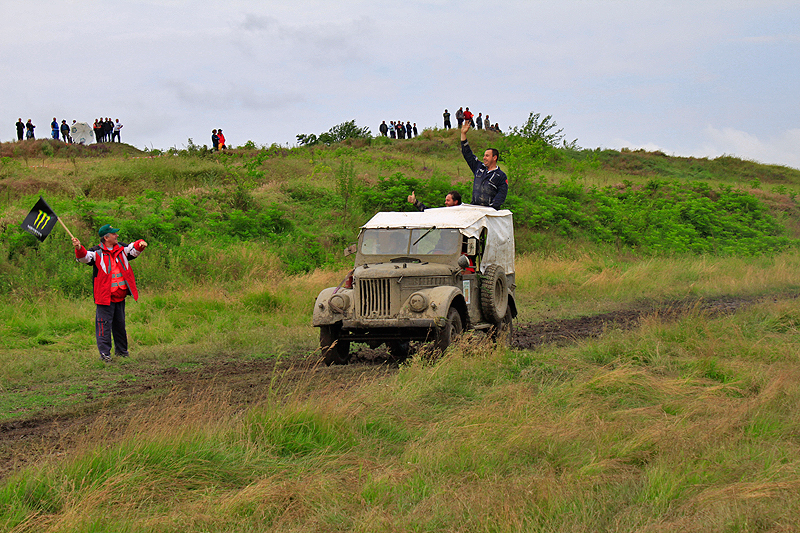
470, 220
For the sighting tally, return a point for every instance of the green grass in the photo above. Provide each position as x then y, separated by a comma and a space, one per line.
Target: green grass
683, 425
670, 428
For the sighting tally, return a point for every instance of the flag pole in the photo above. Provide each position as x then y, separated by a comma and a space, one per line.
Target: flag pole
66, 229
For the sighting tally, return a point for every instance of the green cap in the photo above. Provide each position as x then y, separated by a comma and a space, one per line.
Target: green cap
105, 229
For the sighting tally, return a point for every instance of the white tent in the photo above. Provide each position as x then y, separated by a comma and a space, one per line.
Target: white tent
81, 133
470, 220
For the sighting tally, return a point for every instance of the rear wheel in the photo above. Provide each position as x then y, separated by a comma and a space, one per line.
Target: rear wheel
450, 330
335, 351
504, 331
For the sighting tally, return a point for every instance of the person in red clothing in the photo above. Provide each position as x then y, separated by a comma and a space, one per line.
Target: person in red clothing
222, 145
113, 281
468, 117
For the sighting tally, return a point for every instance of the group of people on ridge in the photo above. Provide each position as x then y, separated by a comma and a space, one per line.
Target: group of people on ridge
398, 130
25, 129
480, 122
105, 130
218, 140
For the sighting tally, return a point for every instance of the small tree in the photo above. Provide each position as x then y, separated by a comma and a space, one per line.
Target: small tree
346, 182
339, 133
540, 130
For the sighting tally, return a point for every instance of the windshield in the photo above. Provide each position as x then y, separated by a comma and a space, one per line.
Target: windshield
425, 241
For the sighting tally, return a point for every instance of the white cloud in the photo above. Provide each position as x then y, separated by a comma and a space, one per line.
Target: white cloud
780, 149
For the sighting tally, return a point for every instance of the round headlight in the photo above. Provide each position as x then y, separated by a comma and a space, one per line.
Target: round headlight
339, 302
418, 302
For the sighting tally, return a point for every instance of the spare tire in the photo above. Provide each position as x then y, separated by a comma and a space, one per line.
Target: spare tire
494, 294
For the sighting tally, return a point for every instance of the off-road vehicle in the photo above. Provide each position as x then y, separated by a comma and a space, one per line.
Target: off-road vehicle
422, 276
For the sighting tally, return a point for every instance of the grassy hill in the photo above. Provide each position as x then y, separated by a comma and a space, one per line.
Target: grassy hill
220, 420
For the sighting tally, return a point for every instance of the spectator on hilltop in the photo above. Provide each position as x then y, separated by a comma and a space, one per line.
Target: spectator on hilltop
117, 127
415, 129
479, 122
54, 128
468, 117
384, 129
409, 130
97, 128
20, 129
215, 140
65, 132
446, 116
486, 123
29, 127
460, 117
392, 130
222, 145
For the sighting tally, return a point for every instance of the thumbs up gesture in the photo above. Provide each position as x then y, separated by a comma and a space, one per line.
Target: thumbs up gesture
412, 199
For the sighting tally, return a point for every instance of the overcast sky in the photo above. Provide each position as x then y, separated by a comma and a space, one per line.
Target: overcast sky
701, 78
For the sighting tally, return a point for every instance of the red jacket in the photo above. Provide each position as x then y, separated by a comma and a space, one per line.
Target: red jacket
100, 259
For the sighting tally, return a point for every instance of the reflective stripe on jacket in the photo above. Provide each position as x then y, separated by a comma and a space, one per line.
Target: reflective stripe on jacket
104, 262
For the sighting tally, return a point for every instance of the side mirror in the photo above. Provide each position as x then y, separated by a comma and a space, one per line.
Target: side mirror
463, 262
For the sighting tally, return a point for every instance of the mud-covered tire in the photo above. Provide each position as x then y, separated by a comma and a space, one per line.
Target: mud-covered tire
335, 351
494, 294
452, 328
504, 331
399, 350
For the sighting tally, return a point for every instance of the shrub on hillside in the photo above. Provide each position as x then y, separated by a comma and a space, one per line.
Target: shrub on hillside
345, 130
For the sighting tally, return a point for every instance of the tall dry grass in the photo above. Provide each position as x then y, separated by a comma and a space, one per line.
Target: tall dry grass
558, 285
676, 426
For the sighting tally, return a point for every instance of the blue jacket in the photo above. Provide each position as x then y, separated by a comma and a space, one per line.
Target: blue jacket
490, 187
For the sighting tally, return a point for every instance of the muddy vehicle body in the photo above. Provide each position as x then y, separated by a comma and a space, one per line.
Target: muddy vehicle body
422, 276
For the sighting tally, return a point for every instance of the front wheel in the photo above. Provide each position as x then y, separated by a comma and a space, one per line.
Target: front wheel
451, 329
399, 349
335, 351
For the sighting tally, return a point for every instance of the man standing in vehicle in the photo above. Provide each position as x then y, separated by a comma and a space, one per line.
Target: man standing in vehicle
490, 186
112, 281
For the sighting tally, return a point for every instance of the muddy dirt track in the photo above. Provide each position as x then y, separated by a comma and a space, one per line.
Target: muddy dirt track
244, 382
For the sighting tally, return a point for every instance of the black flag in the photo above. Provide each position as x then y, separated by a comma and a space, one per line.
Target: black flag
40, 220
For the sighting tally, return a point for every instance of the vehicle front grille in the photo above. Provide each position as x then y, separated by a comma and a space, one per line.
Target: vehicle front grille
426, 281
374, 298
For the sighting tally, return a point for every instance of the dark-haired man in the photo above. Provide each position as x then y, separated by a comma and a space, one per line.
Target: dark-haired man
490, 186
452, 198
112, 281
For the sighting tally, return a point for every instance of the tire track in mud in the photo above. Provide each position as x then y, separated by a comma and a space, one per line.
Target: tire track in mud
246, 382
569, 330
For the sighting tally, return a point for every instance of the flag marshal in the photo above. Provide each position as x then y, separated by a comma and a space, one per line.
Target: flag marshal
40, 220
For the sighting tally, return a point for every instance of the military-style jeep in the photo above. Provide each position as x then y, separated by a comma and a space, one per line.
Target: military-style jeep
422, 276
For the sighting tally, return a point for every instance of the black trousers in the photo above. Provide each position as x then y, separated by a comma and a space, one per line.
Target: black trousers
111, 323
